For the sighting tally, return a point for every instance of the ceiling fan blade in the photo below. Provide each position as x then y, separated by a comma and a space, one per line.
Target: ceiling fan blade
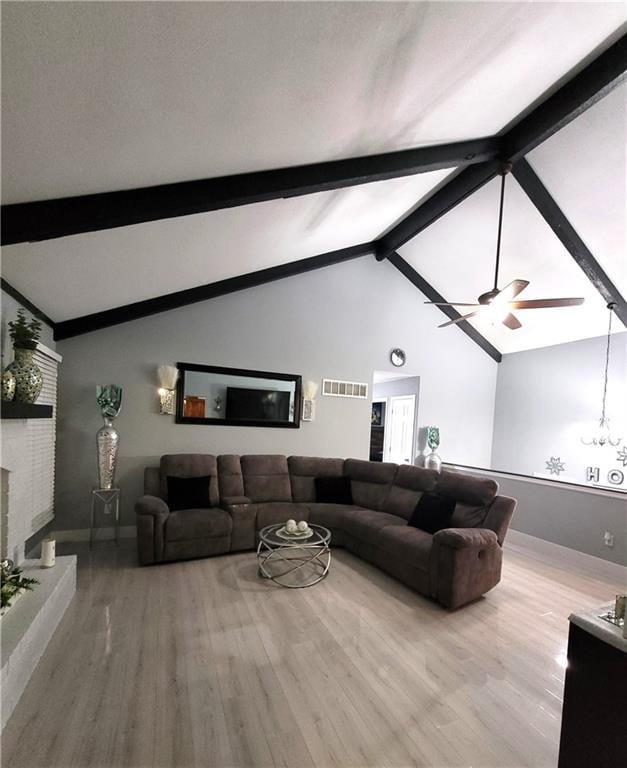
452, 304
512, 322
458, 319
510, 291
545, 303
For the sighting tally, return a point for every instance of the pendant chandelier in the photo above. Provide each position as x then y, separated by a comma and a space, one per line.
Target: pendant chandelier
602, 435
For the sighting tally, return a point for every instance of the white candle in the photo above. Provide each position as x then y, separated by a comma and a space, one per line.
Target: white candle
47, 553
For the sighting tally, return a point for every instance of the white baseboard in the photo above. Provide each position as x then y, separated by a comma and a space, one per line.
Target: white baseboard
564, 556
102, 534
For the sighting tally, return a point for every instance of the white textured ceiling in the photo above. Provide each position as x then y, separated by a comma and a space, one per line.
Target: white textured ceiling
105, 96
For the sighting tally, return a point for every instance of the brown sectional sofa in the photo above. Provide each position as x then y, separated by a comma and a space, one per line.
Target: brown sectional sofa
454, 566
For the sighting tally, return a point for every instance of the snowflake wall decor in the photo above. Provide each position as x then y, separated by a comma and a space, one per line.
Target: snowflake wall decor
555, 465
622, 456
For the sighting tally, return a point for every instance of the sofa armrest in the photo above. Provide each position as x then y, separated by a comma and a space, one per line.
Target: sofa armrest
151, 505
152, 512
233, 501
464, 564
462, 538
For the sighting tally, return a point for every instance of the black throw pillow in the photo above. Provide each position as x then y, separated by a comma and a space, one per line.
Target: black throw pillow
333, 490
188, 492
432, 512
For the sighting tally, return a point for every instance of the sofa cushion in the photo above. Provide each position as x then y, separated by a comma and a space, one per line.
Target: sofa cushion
408, 486
433, 513
230, 480
471, 490
189, 465
187, 524
188, 492
468, 516
266, 478
407, 544
367, 524
333, 516
303, 471
279, 512
370, 482
333, 490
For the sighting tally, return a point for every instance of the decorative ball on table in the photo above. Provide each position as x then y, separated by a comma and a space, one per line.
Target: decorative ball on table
302, 526
291, 526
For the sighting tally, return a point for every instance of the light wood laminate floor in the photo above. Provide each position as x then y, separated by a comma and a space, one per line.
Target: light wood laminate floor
203, 664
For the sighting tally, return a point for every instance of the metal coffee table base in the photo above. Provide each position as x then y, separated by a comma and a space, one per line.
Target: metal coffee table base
293, 561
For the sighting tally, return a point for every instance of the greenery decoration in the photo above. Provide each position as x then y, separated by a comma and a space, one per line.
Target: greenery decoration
109, 399
13, 582
24, 334
433, 437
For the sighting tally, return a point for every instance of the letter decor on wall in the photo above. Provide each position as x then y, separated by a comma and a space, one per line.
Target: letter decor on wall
594, 475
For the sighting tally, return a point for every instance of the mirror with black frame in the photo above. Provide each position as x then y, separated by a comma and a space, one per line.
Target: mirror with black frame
208, 394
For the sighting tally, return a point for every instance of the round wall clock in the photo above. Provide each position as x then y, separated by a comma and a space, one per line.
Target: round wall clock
397, 357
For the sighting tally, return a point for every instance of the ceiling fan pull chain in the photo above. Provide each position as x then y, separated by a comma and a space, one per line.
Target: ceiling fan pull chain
498, 237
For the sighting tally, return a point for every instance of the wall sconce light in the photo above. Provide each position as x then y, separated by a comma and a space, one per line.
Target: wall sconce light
168, 374
310, 390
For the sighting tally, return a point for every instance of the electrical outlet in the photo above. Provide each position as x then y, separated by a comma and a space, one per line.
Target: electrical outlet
608, 539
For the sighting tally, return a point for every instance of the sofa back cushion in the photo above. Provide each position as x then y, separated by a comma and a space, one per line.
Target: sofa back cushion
266, 478
303, 471
408, 486
189, 465
230, 479
474, 495
370, 482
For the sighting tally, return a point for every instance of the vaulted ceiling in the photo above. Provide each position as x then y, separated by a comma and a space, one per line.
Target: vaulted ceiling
100, 97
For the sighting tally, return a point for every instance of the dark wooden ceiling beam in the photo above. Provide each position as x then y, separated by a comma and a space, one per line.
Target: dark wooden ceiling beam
48, 219
578, 94
109, 317
429, 291
568, 236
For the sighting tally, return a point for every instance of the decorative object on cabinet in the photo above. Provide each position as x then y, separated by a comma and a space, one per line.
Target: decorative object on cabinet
310, 390
13, 584
8, 385
168, 375
28, 376
433, 460
109, 398
602, 434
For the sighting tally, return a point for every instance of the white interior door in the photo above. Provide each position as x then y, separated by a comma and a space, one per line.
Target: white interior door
399, 429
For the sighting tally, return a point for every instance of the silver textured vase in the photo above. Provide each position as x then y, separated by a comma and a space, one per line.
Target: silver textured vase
107, 440
28, 376
8, 386
433, 461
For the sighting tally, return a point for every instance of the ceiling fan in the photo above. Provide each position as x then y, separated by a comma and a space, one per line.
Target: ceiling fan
497, 304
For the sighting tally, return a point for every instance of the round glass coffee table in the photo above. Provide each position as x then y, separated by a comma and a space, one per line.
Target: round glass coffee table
294, 563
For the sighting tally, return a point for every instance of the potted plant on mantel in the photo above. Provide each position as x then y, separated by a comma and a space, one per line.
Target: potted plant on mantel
28, 376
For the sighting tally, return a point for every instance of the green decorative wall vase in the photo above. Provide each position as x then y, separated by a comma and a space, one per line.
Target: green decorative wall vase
8, 386
28, 376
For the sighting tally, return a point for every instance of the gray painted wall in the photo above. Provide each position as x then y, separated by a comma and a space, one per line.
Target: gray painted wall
340, 322
547, 398
575, 519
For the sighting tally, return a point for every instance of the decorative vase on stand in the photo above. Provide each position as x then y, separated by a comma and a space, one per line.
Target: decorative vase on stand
108, 441
28, 376
432, 460
109, 399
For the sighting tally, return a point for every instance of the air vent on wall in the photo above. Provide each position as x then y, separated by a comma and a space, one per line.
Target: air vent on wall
335, 388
